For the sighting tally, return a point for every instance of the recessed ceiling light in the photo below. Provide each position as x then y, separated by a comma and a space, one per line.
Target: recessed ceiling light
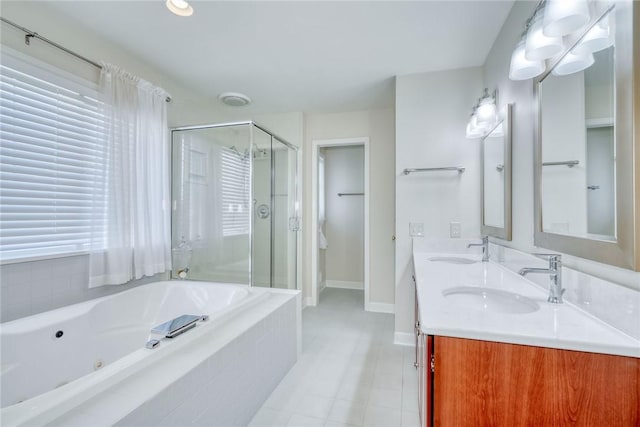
180, 7
234, 99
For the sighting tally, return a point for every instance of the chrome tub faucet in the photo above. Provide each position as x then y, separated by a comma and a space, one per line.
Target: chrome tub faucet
555, 275
485, 247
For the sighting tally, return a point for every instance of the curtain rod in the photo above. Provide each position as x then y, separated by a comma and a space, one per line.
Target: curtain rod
32, 34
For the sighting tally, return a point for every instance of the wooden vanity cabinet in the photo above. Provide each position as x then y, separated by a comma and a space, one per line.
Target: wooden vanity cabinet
480, 383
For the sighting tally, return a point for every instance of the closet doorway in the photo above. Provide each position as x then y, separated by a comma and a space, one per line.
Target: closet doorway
340, 216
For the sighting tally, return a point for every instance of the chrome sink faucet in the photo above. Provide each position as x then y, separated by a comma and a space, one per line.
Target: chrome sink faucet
555, 275
485, 247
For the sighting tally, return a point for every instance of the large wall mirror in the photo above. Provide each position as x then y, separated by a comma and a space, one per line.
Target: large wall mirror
585, 193
496, 178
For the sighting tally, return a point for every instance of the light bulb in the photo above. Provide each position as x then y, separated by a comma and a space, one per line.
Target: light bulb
562, 17
539, 46
522, 68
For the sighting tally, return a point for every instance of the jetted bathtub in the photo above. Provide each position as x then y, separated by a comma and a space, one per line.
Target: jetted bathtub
65, 366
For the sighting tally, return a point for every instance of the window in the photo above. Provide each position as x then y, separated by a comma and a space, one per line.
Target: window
235, 192
51, 129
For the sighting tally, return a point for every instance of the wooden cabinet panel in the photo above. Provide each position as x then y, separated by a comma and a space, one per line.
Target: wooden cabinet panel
480, 383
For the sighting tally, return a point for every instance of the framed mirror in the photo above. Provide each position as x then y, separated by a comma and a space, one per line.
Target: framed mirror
496, 178
586, 184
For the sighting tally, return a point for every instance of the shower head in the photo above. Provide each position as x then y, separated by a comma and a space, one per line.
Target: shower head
243, 155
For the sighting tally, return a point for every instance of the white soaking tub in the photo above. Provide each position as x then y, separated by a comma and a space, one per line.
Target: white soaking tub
87, 364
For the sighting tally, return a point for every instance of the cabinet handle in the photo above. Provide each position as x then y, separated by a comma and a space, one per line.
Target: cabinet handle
433, 363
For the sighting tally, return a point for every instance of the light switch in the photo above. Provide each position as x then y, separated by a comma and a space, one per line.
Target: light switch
416, 229
454, 230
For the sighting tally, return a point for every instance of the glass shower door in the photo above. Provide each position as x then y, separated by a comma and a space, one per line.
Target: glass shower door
211, 210
284, 223
262, 215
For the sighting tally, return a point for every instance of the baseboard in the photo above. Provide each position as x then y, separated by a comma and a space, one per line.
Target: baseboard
323, 285
344, 284
404, 338
379, 307
307, 302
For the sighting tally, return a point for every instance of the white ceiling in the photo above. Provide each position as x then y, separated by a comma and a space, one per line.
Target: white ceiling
299, 55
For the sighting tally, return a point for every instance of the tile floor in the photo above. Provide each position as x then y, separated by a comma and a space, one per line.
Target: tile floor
349, 373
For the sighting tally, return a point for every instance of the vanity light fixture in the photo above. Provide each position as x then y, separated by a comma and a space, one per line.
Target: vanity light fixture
486, 112
473, 130
522, 68
573, 63
483, 116
180, 7
562, 17
539, 46
542, 40
598, 38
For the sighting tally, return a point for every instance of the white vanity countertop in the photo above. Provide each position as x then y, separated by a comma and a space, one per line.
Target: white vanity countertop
561, 326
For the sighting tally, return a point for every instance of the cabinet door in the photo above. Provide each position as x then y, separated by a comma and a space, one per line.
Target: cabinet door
422, 380
425, 380
480, 383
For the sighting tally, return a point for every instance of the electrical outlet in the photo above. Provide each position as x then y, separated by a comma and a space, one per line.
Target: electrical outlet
454, 230
416, 229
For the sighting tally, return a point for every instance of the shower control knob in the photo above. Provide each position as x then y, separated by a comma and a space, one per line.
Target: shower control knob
263, 211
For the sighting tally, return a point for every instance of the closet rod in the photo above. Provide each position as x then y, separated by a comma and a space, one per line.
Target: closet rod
568, 163
32, 34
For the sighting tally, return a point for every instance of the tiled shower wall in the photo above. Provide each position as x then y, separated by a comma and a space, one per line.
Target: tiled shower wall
33, 287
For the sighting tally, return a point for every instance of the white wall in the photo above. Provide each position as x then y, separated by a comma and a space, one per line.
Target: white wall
520, 93
344, 227
32, 287
378, 125
431, 115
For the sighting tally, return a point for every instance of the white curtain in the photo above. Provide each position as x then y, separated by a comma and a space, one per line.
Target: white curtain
137, 241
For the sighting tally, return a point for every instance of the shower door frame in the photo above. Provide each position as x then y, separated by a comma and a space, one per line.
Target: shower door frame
296, 193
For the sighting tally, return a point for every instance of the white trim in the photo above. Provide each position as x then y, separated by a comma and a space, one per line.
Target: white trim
315, 146
380, 307
404, 338
344, 284
307, 302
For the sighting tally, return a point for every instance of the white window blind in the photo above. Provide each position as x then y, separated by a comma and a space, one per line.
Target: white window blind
50, 154
235, 193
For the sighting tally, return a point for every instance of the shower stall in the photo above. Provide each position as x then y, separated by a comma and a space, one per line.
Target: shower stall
234, 209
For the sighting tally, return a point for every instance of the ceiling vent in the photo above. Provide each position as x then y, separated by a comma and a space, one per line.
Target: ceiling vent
234, 99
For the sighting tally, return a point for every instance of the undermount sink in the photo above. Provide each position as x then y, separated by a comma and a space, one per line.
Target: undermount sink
452, 260
488, 299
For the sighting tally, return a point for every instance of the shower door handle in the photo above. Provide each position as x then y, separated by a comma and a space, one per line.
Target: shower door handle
294, 223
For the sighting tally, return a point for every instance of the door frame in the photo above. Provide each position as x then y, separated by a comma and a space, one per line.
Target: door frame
316, 144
